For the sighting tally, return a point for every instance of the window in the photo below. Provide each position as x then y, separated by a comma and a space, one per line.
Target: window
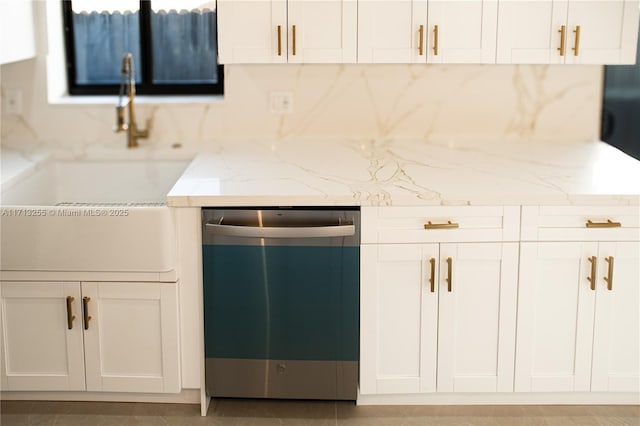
174, 51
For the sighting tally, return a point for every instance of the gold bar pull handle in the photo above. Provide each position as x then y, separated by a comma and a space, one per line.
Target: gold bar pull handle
279, 40
562, 31
435, 40
608, 224
449, 274
85, 310
70, 316
609, 277
293, 44
576, 47
432, 278
592, 278
448, 225
421, 41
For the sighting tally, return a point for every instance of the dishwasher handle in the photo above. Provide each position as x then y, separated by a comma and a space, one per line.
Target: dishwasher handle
281, 231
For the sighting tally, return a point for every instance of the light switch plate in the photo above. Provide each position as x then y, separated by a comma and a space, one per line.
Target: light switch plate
281, 102
13, 101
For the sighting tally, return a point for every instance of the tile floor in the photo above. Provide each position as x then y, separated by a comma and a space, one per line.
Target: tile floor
303, 413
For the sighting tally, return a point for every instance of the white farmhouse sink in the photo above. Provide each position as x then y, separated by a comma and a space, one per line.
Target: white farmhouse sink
90, 216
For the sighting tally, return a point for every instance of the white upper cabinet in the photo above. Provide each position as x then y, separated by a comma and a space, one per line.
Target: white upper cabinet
252, 31
462, 31
322, 31
427, 31
392, 31
602, 32
294, 31
567, 32
17, 35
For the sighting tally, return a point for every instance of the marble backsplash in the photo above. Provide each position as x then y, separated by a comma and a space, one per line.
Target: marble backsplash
523, 103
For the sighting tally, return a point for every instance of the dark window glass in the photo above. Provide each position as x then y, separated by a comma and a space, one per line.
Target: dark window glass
174, 51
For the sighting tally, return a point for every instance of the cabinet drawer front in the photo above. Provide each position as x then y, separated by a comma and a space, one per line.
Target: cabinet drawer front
439, 224
581, 223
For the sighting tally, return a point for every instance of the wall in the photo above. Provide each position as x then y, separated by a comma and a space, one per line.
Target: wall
423, 102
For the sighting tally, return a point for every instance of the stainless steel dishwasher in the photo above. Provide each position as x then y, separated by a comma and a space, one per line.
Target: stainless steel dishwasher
281, 302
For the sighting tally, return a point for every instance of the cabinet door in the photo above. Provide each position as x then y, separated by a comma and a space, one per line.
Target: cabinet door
399, 314
322, 31
465, 33
529, 31
131, 338
392, 31
40, 352
555, 317
477, 316
17, 34
608, 31
248, 31
616, 341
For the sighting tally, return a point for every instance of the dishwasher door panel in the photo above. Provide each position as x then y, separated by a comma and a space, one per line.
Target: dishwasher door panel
281, 313
281, 302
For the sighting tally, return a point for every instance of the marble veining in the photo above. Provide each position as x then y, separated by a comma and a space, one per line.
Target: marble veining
429, 103
404, 172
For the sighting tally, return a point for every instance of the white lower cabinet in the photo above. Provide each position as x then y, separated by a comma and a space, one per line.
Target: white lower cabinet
579, 317
438, 317
93, 336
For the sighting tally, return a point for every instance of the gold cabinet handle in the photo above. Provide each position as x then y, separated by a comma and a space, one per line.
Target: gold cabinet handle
70, 316
576, 47
435, 40
448, 225
432, 278
562, 31
609, 277
607, 224
592, 278
85, 310
279, 40
449, 274
421, 42
293, 45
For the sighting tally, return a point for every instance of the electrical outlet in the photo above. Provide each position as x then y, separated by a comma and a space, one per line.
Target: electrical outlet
281, 102
13, 101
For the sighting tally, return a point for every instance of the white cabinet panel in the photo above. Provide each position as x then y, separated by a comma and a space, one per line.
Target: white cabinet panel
608, 31
295, 31
462, 31
417, 336
141, 317
555, 317
40, 352
399, 319
17, 35
526, 33
322, 31
476, 323
392, 31
616, 346
248, 31
546, 31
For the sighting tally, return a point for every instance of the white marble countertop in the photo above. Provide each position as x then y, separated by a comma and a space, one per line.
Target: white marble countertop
242, 173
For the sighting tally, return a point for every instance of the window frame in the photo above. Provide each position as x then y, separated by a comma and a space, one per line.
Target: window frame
146, 86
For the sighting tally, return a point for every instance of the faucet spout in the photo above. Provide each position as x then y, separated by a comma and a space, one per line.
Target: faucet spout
128, 80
